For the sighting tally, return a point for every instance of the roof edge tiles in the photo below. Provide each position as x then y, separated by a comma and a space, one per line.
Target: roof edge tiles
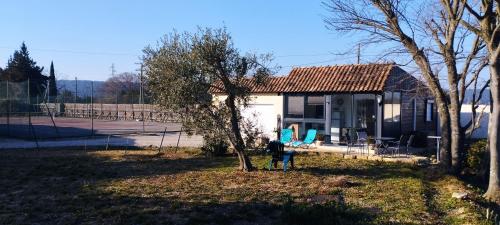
337, 78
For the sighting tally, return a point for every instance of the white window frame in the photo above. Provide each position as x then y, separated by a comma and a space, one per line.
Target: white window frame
429, 109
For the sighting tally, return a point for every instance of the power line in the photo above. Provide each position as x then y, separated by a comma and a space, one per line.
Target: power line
75, 52
301, 55
131, 54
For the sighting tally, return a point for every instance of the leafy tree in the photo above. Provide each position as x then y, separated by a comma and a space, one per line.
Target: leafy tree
184, 69
21, 67
68, 96
52, 81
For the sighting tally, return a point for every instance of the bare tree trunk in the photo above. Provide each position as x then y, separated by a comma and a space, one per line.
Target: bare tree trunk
444, 151
457, 143
493, 192
236, 138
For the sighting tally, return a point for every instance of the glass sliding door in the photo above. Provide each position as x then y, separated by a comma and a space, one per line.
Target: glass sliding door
365, 113
341, 121
303, 112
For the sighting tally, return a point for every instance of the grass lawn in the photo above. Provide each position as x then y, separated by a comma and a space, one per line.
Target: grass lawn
142, 187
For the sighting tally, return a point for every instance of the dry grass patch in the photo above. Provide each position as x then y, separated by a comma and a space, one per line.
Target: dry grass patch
143, 187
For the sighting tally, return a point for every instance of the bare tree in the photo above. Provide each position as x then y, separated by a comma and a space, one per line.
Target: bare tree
405, 24
484, 20
123, 87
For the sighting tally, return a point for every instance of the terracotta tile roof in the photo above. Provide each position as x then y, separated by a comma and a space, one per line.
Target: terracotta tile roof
342, 78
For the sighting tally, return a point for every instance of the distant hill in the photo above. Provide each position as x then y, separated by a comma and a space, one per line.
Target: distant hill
83, 86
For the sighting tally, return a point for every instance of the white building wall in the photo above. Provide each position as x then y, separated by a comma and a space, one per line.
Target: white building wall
268, 106
466, 115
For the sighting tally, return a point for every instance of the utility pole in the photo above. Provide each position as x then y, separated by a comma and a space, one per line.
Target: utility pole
113, 71
359, 53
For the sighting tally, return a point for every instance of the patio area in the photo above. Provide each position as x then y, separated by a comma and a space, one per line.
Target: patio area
356, 153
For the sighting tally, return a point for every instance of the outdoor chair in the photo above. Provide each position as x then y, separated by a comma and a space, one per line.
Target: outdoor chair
349, 142
362, 140
286, 136
278, 153
405, 142
308, 141
395, 146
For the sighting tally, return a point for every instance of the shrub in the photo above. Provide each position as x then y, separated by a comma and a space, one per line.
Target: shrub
477, 158
419, 140
253, 136
215, 146
320, 137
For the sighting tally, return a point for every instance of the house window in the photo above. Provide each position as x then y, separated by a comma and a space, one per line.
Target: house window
315, 107
392, 114
396, 106
294, 107
428, 110
320, 127
392, 106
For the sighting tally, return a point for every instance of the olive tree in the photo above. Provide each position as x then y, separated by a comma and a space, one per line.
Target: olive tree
184, 70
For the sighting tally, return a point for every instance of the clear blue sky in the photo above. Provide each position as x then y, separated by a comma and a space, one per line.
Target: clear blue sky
84, 38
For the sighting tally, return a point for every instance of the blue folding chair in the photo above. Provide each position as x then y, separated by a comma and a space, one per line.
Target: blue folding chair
286, 136
308, 141
277, 150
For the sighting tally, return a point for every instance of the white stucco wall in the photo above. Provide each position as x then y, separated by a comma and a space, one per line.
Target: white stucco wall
264, 100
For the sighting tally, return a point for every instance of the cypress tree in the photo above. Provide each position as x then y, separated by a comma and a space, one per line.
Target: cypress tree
52, 81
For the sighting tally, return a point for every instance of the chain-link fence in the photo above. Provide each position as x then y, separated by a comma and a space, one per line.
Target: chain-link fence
80, 109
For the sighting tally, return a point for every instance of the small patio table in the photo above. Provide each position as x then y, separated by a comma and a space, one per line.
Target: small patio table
438, 139
383, 142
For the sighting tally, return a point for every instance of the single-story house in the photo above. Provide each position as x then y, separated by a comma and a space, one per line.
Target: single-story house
381, 99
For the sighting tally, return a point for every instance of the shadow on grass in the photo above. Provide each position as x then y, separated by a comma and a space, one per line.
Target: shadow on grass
48, 187
100, 208
368, 170
37, 165
59, 188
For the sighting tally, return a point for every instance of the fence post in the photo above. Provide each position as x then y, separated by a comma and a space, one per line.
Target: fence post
116, 104
29, 102
76, 94
142, 103
92, 106
178, 139
161, 143
107, 142
8, 110
30, 125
